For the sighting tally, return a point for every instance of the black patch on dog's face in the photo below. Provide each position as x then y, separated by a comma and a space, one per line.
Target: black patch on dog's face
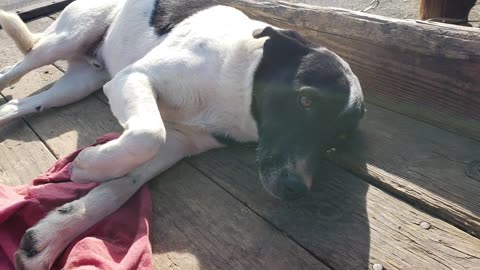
168, 13
300, 105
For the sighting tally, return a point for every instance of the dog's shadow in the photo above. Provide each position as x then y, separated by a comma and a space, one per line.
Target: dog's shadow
330, 224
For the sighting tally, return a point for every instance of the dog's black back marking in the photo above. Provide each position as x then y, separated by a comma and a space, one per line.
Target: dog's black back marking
168, 13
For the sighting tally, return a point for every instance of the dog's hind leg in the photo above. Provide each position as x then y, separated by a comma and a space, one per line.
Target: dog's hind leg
79, 28
80, 80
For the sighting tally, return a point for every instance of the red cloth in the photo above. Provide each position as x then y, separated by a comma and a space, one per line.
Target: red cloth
120, 241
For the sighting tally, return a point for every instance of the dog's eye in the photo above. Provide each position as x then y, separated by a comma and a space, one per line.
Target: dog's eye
306, 102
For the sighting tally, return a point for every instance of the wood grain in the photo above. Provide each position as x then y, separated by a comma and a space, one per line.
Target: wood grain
22, 155
42, 8
418, 162
426, 71
346, 222
197, 225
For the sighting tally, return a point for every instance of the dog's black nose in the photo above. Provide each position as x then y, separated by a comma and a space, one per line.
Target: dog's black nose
294, 185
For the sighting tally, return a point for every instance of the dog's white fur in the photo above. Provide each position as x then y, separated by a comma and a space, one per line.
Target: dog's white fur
199, 66
15, 27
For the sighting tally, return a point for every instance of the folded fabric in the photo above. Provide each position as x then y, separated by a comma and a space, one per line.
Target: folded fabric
120, 241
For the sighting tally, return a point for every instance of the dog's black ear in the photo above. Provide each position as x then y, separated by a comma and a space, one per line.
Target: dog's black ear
287, 40
265, 32
270, 32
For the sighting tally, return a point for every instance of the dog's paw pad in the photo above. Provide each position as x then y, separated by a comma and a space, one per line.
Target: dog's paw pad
32, 254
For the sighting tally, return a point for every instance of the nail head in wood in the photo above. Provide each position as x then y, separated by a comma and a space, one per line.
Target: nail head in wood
425, 225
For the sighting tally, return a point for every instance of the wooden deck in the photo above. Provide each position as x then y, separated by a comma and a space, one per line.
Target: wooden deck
210, 211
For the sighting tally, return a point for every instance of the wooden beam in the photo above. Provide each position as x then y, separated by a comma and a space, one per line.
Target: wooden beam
427, 71
42, 8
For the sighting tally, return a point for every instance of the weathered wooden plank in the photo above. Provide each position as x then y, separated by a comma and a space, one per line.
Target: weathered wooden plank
346, 222
28, 10
425, 71
22, 155
418, 162
197, 225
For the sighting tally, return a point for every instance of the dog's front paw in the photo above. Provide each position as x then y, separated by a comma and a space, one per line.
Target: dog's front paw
86, 175
43, 243
91, 165
31, 255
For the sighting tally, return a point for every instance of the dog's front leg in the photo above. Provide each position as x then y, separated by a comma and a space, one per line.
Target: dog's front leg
133, 103
42, 243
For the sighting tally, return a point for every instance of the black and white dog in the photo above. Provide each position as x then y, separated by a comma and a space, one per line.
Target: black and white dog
182, 77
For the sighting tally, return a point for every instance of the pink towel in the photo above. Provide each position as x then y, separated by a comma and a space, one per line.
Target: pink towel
120, 241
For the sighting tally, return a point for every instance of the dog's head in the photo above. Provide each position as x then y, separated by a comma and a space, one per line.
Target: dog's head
306, 100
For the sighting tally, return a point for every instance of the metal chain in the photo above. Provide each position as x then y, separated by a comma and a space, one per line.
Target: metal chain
373, 5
